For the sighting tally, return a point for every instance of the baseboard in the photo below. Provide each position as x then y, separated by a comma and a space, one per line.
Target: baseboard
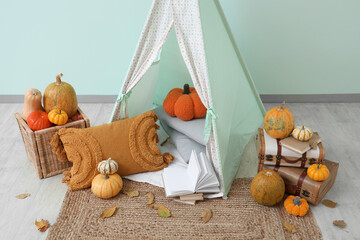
81, 98
310, 98
266, 98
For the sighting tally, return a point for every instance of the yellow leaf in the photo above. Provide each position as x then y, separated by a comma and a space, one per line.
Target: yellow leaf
151, 200
163, 211
329, 203
339, 223
108, 212
132, 193
22, 196
206, 215
42, 225
289, 227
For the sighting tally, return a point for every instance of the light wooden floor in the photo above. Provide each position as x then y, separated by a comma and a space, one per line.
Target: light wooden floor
338, 125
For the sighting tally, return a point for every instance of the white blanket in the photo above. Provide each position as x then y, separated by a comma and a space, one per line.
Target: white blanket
155, 178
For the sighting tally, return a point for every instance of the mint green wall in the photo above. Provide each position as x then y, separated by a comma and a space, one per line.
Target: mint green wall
289, 46
91, 42
298, 47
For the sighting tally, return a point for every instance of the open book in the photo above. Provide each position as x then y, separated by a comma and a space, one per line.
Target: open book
197, 176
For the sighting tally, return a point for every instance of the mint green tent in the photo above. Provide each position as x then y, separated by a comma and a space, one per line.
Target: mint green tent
190, 42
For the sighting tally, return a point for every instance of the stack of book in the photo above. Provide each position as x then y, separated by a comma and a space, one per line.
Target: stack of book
187, 182
291, 158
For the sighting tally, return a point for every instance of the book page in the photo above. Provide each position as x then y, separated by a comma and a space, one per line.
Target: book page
194, 170
177, 181
204, 172
209, 183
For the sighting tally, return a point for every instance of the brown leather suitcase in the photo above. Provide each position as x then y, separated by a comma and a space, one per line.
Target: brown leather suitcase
299, 184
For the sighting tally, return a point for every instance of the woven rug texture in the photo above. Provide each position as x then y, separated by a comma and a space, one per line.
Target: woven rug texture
238, 217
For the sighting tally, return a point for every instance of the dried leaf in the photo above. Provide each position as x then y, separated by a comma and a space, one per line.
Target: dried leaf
151, 200
289, 227
206, 215
42, 225
132, 193
329, 203
339, 223
22, 196
108, 212
163, 211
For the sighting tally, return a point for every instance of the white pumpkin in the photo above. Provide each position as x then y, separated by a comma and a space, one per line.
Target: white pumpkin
107, 167
302, 133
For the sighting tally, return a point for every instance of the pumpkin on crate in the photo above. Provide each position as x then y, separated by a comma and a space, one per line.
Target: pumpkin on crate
302, 133
296, 206
279, 122
184, 104
32, 102
38, 120
58, 117
318, 172
60, 95
267, 188
106, 185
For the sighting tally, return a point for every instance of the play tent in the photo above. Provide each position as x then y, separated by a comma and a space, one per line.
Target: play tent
190, 42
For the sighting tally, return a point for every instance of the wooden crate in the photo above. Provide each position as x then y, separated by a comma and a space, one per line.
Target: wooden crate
38, 149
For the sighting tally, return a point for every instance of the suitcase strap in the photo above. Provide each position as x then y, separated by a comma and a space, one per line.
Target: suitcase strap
296, 188
279, 157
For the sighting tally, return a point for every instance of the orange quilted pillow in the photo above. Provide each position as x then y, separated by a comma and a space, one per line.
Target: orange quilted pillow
131, 142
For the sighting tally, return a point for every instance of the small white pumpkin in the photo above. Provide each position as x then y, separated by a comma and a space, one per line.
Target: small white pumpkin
302, 133
107, 167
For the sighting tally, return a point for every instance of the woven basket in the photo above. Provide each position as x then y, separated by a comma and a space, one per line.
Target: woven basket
38, 149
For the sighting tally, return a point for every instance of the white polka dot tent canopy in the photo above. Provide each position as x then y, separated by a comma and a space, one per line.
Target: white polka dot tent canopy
190, 42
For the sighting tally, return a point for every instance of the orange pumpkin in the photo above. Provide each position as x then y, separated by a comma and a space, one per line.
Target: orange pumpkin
296, 206
58, 117
184, 104
267, 188
106, 186
60, 95
38, 120
279, 122
318, 172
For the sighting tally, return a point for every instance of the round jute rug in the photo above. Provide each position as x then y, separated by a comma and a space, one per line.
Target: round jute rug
239, 217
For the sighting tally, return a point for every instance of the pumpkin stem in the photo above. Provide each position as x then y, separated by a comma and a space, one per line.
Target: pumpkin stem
318, 167
268, 174
35, 93
106, 176
297, 201
186, 89
282, 106
59, 111
58, 79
